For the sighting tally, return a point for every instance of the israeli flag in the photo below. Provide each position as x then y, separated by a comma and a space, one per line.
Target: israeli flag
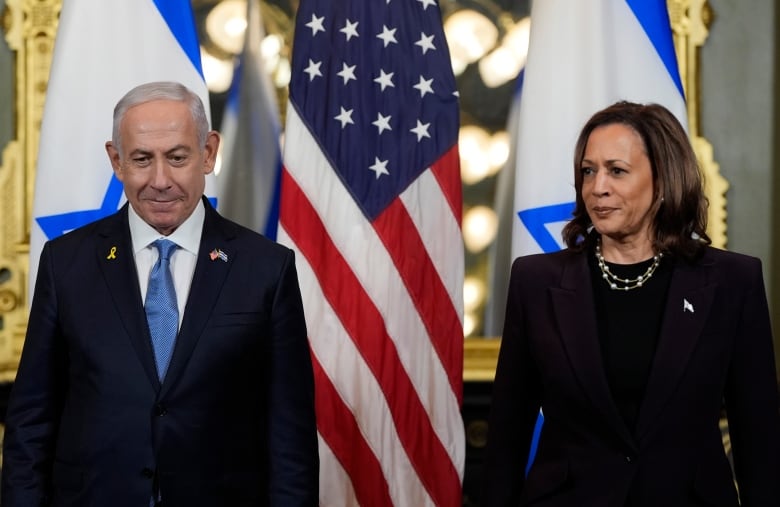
103, 49
582, 57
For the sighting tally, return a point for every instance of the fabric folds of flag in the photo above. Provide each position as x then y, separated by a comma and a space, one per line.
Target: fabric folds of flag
371, 203
582, 57
103, 48
248, 182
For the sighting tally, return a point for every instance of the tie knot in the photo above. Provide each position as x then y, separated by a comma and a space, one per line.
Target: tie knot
165, 247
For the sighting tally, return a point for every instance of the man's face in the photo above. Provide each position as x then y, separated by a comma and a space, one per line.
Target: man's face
161, 166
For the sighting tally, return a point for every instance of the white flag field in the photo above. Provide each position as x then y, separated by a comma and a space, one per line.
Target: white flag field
103, 49
582, 57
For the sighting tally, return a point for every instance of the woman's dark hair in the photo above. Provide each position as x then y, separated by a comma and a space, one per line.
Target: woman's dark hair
680, 207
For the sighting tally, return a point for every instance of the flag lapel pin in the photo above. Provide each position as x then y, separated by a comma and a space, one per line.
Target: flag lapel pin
218, 254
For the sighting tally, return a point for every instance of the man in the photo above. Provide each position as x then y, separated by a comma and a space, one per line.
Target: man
109, 408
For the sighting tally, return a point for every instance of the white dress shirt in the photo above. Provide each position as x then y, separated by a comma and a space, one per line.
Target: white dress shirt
183, 260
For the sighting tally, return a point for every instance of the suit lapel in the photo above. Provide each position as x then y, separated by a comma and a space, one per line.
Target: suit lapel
575, 315
688, 304
115, 257
207, 281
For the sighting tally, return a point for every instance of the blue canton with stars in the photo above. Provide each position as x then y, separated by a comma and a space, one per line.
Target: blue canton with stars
373, 82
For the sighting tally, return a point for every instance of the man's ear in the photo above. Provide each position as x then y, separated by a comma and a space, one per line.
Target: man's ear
115, 159
210, 151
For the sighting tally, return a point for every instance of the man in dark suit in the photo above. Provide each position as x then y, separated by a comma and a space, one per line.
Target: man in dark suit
109, 410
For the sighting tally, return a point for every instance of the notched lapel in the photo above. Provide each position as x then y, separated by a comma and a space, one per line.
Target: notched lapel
687, 307
207, 283
117, 263
575, 316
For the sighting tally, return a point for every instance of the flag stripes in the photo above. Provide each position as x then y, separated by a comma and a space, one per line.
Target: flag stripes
345, 292
371, 203
344, 437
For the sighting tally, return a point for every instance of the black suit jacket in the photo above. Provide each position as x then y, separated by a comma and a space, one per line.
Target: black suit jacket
715, 344
88, 422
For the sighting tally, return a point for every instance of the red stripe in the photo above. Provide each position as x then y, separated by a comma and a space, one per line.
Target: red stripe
366, 327
426, 288
447, 173
339, 429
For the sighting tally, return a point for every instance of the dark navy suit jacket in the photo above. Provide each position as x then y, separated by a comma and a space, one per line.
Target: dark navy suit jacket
89, 424
715, 345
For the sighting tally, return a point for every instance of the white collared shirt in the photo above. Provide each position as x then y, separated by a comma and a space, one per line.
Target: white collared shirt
183, 260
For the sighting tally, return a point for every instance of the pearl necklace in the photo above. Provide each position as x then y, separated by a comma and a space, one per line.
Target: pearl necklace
628, 283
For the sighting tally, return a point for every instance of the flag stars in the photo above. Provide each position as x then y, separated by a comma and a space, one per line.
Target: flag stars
385, 79
350, 29
316, 24
424, 86
425, 42
313, 69
387, 35
345, 117
426, 3
379, 167
382, 123
347, 72
421, 130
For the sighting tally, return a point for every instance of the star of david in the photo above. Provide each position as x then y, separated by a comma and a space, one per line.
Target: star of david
536, 220
57, 225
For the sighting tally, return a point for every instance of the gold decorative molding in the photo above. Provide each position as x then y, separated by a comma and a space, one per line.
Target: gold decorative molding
691, 20
29, 27
480, 358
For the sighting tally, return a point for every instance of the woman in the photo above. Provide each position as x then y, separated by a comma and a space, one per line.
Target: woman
632, 340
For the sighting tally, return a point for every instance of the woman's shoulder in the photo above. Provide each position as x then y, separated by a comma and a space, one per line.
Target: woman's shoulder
542, 263
728, 259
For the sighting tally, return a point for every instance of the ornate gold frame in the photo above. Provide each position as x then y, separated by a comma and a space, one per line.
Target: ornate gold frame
30, 26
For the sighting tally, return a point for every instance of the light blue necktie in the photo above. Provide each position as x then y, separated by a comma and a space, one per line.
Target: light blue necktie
162, 312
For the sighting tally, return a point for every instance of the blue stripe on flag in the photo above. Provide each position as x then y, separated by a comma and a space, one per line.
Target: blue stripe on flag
182, 27
654, 18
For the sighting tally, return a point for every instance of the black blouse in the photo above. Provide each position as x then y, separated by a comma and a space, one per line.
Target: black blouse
628, 327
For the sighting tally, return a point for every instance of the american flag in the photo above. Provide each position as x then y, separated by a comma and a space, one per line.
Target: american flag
371, 203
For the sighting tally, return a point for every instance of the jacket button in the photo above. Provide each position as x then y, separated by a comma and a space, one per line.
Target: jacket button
147, 473
160, 410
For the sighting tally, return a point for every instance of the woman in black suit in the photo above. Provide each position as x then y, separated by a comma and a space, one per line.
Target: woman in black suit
632, 340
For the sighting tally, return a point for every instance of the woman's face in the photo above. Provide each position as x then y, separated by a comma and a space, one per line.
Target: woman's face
617, 183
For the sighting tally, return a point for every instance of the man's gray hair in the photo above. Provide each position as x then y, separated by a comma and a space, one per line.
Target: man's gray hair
161, 90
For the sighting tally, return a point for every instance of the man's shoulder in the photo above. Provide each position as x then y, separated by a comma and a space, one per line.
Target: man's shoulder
249, 239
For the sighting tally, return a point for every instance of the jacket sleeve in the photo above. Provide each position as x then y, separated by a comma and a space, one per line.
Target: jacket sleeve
517, 395
294, 459
36, 399
752, 400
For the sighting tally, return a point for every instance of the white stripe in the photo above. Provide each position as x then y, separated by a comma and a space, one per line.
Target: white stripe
339, 492
431, 213
357, 386
357, 241
582, 57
